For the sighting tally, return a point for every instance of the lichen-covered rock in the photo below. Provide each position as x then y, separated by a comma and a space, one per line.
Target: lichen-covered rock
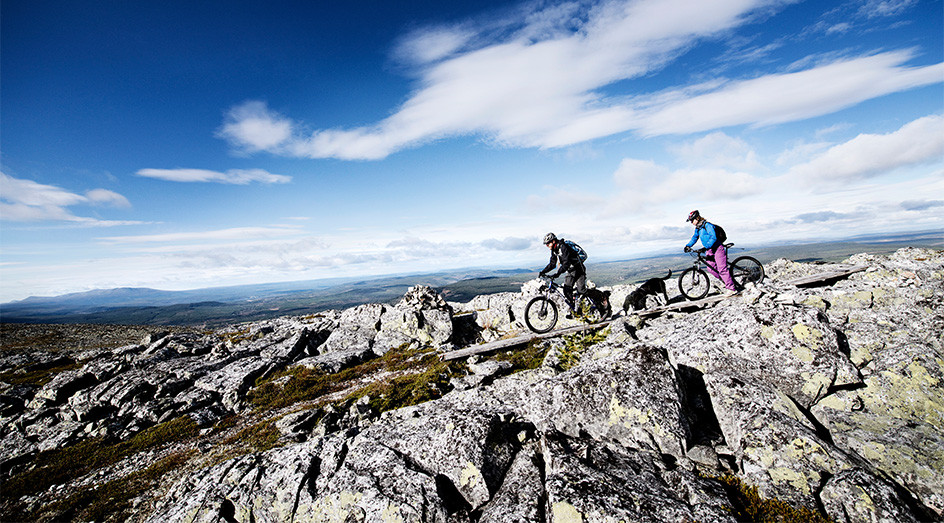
403, 326
599, 482
232, 381
828, 397
631, 396
795, 348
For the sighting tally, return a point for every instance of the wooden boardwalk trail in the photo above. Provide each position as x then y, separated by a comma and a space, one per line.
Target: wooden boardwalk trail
530, 336
682, 305
827, 276
520, 340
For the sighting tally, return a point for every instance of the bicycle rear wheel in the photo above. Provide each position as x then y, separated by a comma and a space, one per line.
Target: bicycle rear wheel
694, 284
540, 314
746, 269
591, 312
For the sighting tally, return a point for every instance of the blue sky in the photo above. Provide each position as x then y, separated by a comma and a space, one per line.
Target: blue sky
179, 145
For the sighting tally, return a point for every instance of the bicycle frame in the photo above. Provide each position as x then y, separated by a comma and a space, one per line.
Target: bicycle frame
554, 287
701, 262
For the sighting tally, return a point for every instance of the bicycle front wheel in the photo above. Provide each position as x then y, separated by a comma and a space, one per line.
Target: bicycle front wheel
746, 269
540, 314
694, 284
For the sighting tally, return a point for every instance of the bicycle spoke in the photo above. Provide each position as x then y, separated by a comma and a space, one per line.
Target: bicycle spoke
746, 269
694, 284
541, 314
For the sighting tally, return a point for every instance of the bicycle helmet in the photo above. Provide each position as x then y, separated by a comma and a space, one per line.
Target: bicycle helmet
549, 237
692, 216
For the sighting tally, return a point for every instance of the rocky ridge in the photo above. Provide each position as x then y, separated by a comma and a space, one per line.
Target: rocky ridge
811, 403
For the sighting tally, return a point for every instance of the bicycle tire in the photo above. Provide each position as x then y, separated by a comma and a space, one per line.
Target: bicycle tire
540, 314
746, 269
694, 283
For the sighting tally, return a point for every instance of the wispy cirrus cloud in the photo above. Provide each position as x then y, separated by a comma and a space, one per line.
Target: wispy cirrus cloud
232, 176
234, 233
868, 155
539, 81
779, 98
508, 244
29, 201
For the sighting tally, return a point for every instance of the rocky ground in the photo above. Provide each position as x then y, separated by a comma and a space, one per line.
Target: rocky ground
783, 403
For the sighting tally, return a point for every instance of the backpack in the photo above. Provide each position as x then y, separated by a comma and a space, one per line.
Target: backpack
582, 254
719, 234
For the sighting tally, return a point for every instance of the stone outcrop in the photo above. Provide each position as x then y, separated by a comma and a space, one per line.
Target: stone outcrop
827, 399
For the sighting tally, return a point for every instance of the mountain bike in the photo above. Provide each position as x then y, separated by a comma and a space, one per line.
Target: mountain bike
694, 283
540, 314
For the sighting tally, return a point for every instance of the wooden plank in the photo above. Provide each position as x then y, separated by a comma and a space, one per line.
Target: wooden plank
681, 305
527, 338
519, 340
826, 276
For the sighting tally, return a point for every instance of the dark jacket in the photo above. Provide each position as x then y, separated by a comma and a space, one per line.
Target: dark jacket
567, 258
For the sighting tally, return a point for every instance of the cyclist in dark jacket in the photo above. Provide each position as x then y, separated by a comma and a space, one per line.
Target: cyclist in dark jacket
570, 263
714, 249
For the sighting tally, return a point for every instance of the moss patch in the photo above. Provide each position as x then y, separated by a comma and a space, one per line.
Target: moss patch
531, 357
259, 437
420, 374
409, 389
576, 344
749, 506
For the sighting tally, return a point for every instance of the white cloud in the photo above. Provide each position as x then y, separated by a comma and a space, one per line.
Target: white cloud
867, 155
235, 233
253, 127
28, 201
718, 150
432, 45
232, 176
636, 174
884, 8
553, 198
508, 244
106, 197
779, 98
645, 183
538, 83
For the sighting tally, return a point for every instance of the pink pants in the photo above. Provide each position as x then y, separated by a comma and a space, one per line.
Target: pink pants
720, 255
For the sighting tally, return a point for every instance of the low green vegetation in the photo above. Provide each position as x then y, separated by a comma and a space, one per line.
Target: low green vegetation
408, 389
112, 501
576, 344
531, 357
60, 466
37, 377
750, 507
416, 375
259, 437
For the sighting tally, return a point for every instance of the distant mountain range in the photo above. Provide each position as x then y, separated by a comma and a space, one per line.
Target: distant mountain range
144, 306
221, 305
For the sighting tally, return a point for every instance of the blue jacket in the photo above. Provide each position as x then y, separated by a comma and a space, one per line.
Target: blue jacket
705, 233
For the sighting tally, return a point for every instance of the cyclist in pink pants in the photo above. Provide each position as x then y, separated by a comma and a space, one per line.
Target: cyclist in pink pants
715, 250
